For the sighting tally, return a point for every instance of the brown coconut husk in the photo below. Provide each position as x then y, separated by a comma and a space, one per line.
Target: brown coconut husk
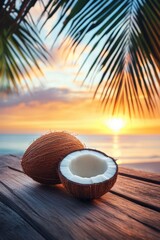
40, 161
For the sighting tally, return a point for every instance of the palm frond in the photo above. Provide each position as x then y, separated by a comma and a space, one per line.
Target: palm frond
21, 48
124, 36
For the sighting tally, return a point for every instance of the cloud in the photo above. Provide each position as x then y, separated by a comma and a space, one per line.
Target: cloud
43, 96
49, 109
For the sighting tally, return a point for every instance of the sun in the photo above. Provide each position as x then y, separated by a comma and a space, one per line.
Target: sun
115, 124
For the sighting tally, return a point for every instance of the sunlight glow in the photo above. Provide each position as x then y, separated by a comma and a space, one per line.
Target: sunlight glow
115, 124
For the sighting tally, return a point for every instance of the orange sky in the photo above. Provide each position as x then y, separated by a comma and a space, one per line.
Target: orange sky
57, 102
64, 109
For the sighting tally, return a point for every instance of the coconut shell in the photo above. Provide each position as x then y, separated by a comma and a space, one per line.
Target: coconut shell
88, 191
40, 161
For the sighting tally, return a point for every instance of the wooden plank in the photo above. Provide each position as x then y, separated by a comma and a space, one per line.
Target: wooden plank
10, 161
144, 215
12, 226
60, 215
143, 193
143, 176
57, 214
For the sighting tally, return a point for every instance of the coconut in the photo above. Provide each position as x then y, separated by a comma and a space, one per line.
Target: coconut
88, 173
40, 161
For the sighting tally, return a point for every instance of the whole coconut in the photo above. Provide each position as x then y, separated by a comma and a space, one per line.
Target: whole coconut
40, 161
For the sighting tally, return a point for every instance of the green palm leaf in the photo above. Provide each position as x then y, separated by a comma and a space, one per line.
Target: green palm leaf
123, 34
20, 46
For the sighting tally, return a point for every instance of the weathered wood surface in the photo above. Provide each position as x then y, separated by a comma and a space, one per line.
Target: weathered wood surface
28, 210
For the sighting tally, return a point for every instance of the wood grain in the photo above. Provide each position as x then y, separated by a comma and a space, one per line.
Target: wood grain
129, 211
144, 193
137, 174
12, 226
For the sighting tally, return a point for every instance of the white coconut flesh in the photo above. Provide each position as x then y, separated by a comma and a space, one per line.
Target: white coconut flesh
88, 167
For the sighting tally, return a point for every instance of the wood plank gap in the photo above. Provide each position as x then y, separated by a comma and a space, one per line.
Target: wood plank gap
147, 205
15, 169
145, 224
139, 178
35, 225
15, 156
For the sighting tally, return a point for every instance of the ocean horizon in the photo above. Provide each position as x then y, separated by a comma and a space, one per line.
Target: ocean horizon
133, 151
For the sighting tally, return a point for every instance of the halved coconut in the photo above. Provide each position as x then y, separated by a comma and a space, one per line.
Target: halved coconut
88, 173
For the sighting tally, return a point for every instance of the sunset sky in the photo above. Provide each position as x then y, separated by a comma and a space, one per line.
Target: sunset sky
56, 102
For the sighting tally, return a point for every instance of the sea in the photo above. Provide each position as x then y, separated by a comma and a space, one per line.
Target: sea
132, 151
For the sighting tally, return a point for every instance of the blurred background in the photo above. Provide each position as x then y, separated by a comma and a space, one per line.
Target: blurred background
98, 81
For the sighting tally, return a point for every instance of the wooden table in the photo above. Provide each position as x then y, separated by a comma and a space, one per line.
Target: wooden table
29, 210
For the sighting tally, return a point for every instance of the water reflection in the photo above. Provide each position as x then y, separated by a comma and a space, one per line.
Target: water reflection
116, 151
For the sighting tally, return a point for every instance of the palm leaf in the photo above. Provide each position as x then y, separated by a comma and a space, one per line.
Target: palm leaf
20, 46
123, 34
